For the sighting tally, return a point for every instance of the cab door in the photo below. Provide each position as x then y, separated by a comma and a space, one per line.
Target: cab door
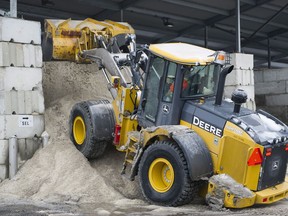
148, 109
161, 103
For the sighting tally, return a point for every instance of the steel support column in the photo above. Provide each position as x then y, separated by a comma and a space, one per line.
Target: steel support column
238, 28
206, 36
13, 8
122, 15
269, 52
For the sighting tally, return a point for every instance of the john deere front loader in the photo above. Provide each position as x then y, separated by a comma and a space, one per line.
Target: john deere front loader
169, 119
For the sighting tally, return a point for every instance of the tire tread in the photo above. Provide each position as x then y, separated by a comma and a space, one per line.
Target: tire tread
190, 188
93, 148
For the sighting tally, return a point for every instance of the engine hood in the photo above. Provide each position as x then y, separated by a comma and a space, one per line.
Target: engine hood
263, 128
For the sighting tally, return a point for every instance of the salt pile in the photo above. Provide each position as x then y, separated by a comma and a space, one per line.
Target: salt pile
59, 172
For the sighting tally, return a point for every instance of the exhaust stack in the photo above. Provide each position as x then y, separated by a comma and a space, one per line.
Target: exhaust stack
221, 84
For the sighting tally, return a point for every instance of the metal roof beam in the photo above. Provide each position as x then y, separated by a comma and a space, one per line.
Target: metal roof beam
232, 32
280, 56
273, 7
154, 30
111, 5
269, 20
244, 8
163, 14
251, 2
41, 12
213, 20
127, 3
267, 6
258, 20
258, 39
277, 32
223, 12
106, 13
198, 6
273, 58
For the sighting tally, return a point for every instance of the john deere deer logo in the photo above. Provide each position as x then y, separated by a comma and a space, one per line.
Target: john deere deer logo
275, 165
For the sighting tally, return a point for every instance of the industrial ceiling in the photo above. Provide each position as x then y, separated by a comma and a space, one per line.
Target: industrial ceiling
210, 23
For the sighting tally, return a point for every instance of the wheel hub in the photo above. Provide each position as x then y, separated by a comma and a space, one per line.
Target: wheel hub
79, 130
161, 175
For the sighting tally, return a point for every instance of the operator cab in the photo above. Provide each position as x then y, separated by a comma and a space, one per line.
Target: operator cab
176, 72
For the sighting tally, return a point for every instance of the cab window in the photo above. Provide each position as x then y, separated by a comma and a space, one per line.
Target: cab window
152, 88
169, 83
200, 80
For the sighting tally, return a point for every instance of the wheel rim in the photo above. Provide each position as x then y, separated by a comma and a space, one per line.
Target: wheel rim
79, 130
161, 175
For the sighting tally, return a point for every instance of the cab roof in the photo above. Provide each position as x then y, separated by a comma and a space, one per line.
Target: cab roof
183, 53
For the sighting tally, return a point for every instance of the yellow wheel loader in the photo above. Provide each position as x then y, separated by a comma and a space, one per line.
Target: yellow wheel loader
168, 117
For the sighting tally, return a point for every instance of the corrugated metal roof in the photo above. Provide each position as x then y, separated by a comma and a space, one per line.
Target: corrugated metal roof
193, 21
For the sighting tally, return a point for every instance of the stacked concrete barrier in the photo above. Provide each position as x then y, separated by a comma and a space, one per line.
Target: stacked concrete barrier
272, 91
21, 94
241, 77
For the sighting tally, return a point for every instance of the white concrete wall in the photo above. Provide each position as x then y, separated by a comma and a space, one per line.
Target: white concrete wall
20, 55
21, 102
20, 78
21, 94
23, 126
268, 88
242, 77
271, 89
20, 31
26, 147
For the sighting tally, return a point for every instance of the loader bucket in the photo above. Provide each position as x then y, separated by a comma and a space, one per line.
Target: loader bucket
66, 39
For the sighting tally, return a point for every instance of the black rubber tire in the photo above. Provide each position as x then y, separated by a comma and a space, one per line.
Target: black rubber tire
94, 144
183, 189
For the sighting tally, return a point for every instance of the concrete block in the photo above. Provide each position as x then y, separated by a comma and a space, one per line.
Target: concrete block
250, 105
258, 76
23, 126
280, 112
250, 91
32, 55
240, 77
268, 88
20, 55
282, 74
277, 100
4, 171
22, 102
269, 75
20, 78
20, 31
260, 100
242, 61
27, 147
4, 154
